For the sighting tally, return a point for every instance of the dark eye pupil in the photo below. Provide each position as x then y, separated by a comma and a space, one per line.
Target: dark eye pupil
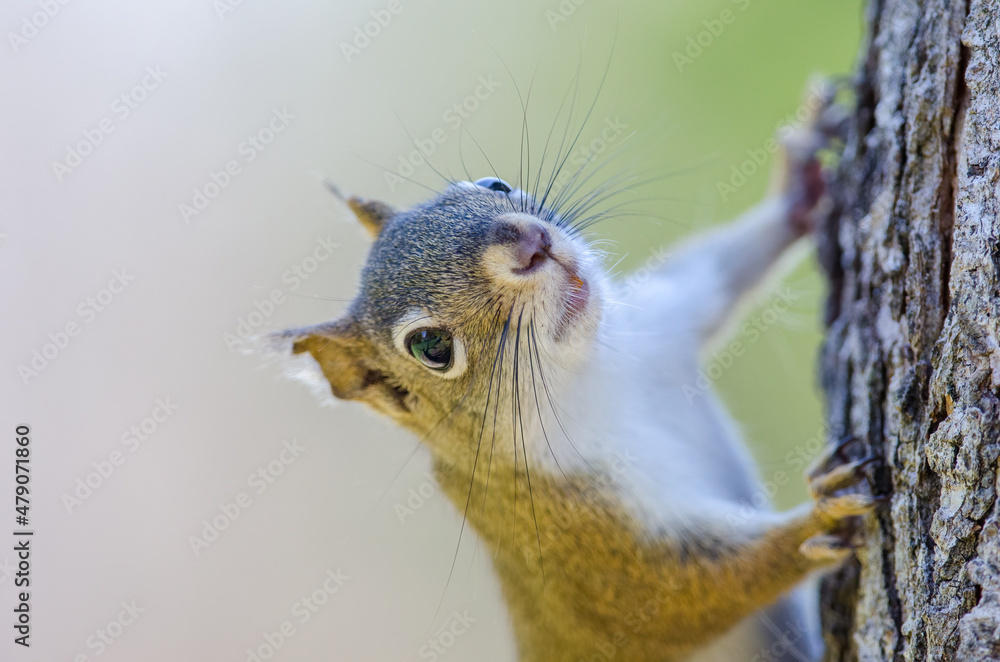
494, 184
432, 347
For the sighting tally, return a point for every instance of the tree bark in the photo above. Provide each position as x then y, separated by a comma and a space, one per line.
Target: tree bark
911, 363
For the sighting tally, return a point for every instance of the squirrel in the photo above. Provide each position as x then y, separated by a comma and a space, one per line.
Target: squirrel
551, 401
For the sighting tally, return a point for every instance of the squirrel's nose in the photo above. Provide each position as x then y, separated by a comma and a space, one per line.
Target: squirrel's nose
533, 246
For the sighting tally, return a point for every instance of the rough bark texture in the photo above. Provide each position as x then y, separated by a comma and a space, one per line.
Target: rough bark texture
911, 365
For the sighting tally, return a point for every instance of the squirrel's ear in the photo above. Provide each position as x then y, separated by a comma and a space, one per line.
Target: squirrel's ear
338, 351
372, 214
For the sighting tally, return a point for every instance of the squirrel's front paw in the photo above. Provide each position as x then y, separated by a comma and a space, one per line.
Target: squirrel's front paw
841, 494
803, 184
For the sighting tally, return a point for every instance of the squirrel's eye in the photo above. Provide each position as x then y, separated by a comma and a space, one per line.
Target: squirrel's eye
494, 184
432, 347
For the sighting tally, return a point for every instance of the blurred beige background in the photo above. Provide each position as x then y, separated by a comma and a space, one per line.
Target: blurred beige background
116, 114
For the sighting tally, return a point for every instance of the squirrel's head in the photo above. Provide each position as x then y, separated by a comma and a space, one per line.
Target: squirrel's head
459, 295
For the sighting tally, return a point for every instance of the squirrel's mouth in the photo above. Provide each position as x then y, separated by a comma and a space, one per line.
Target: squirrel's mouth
579, 295
575, 303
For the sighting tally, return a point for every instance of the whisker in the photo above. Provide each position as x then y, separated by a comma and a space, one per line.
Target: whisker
609, 530
607, 192
574, 183
521, 172
475, 463
545, 388
538, 409
417, 445
496, 406
545, 149
314, 296
489, 162
527, 468
447, 180
433, 191
559, 160
461, 158
513, 423
586, 118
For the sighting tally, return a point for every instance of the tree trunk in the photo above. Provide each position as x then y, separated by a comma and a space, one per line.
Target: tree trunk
911, 363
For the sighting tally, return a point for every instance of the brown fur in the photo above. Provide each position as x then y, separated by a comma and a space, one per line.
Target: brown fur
580, 578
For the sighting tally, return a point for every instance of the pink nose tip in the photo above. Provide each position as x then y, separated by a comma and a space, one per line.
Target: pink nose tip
532, 248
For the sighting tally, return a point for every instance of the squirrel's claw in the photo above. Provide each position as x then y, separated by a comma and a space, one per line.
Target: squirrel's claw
840, 476
828, 547
830, 455
803, 181
841, 489
845, 505
835, 546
